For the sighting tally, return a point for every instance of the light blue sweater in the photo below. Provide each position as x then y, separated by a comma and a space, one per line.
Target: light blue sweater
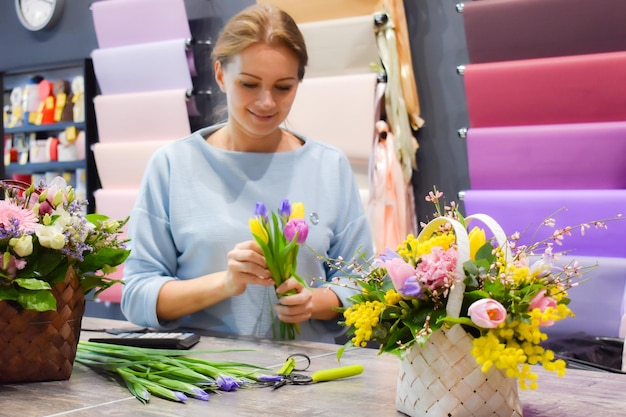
194, 205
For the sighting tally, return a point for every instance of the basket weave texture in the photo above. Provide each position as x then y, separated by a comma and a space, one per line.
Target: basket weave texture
41, 346
442, 378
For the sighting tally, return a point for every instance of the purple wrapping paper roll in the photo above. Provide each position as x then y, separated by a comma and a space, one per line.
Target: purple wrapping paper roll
598, 302
129, 22
506, 30
524, 211
563, 156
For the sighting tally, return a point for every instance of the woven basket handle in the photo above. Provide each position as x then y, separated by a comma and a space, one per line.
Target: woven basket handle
496, 230
455, 298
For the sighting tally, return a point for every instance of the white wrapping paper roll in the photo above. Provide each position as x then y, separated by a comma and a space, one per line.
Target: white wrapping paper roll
122, 165
128, 22
339, 110
155, 115
144, 67
340, 46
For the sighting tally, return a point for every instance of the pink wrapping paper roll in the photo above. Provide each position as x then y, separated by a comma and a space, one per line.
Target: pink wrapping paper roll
338, 110
153, 66
128, 22
571, 89
524, 211
122, 165
564, 156
117, 204
506, 30
154, 115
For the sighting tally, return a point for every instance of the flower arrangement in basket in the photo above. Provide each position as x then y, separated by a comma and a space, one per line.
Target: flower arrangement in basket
280, 237
52, 253
478, 303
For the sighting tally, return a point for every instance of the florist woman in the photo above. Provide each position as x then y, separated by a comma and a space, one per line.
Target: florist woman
194, 262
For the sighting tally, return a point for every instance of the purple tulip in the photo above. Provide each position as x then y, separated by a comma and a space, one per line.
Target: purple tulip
296, 227
260, 211
285, 209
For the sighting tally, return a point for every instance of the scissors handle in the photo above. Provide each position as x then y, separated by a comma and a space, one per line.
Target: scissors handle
336, 373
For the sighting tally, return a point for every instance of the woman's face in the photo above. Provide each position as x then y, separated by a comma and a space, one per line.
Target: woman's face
260, 85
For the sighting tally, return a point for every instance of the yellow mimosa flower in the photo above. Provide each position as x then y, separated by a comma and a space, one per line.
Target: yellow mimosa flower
476, 240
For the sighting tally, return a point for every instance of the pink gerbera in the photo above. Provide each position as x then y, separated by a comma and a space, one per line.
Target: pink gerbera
11, 214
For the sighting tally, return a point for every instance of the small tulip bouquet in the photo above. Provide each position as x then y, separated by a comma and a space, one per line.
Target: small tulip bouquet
510, 293
280, 236
43, 233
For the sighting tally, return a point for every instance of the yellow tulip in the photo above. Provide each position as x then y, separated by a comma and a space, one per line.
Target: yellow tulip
257, 229
476, 240
297, 211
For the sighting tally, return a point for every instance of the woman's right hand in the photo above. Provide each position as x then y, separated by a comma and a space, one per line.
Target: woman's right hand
246, 265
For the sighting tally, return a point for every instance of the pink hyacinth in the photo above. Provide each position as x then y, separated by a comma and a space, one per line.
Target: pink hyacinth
437, 268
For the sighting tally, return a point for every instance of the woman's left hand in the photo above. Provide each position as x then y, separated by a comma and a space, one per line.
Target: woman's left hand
294, 308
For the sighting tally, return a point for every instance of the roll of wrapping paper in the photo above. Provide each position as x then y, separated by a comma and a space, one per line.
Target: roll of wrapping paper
128, 22
507, 30
572, 89
524, 211
153, 115
338, 110
562, 156
150, 66
340, 46
116, 203
604, 288
122, 165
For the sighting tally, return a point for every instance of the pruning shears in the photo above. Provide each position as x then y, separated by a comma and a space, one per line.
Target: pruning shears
286, 374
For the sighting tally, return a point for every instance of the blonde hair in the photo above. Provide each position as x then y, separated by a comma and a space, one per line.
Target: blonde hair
260, 24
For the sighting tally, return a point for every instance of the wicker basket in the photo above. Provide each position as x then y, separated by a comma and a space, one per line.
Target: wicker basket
442, 378
41, 346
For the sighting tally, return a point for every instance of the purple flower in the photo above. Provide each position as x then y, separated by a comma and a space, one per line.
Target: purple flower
260, 210
226, 383
285, 209
411, 287
180, 396
200, 394
296, 227
388, 255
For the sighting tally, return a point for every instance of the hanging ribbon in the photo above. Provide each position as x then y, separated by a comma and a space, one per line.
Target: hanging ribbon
406, 145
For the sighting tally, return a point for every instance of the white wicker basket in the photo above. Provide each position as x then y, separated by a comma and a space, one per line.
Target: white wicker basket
442, 378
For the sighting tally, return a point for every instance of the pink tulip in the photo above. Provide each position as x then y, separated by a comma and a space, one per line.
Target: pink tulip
542, 302
399, 271
487, 313
296, 226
